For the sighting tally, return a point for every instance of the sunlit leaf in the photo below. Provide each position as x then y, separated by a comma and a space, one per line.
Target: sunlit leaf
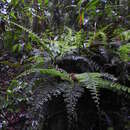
46, 2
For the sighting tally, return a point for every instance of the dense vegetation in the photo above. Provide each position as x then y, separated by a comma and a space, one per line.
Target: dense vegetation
64, 65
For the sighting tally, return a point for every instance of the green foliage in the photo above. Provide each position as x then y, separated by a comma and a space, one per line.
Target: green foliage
125, 35
97, 36
71, 90
17, 48
95, 80
67, 42
62, 26
91, 81
10, 64
124, 52
51, 72
33, 35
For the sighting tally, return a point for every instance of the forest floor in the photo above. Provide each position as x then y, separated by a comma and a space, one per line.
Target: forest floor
10, 67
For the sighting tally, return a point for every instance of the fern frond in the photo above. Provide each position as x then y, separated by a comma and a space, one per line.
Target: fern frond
95, 81
125, 35
95, 96
99, 34
50, 88
50, 72
109, 77
86, 78
89, 81
124, 52
71, 96
41, 97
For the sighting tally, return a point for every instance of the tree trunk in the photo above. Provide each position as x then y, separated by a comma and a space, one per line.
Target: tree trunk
27, 23
35, 18
1, 44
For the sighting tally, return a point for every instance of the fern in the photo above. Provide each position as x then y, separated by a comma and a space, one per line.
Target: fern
125, 35
71, 96
51, 72
108, 77
124, 52
86, 80
46, 92
71, 93
48, 83
48, 86
90, 82
40, 102
39, 40
67, 42
97, 35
